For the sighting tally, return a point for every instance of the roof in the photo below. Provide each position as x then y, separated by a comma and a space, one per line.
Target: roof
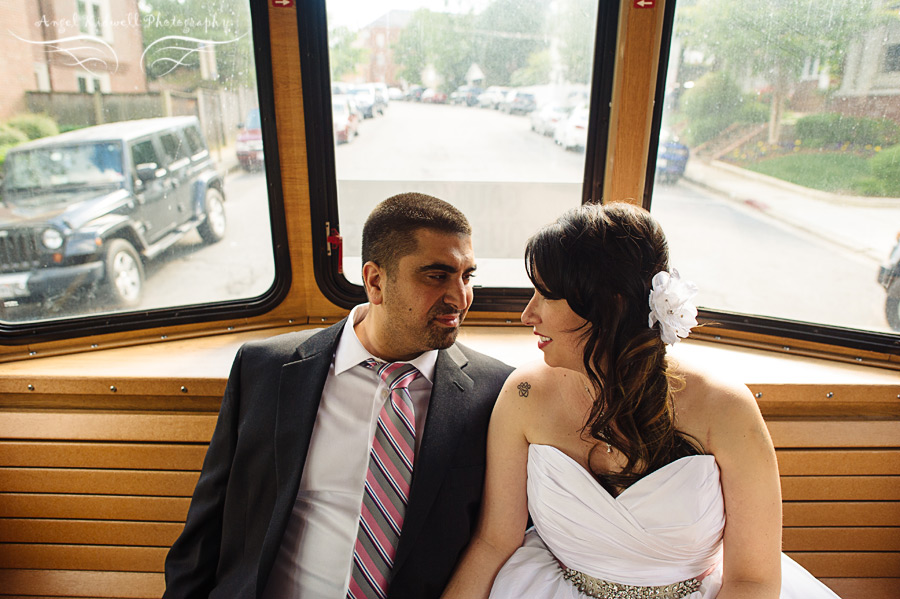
121, 131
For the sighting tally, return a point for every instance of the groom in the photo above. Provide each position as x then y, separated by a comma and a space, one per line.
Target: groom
348, 462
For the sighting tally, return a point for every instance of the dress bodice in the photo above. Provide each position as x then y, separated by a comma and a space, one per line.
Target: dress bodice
665, 527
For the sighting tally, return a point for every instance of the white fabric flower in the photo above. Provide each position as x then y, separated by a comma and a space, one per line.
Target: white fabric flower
670, 305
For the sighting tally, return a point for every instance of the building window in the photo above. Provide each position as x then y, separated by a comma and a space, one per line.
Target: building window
892, 59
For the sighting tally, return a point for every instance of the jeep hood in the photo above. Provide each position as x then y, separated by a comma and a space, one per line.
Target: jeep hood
69, 208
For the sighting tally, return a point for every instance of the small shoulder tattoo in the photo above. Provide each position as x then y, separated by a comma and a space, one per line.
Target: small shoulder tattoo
524, 387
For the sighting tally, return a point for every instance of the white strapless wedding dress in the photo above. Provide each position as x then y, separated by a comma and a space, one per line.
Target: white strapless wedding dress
665, 528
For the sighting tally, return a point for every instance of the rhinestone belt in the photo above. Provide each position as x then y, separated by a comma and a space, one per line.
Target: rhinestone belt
603, 589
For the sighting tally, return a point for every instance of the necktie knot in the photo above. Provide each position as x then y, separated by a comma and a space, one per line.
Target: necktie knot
396, 375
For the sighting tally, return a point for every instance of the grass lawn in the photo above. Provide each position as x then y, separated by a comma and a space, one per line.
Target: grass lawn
832, 171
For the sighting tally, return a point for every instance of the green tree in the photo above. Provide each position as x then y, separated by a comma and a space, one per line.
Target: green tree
342, 54
505, 34
773, 38
177, 33
536, 72
577, 22
441, 40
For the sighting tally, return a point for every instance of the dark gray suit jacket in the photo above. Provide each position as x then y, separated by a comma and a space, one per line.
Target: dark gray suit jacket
253, 466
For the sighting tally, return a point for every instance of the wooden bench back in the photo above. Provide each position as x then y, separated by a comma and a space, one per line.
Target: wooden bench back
93, 494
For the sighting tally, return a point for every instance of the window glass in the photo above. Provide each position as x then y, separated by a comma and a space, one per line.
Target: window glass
173, 147
778, 167
144, 153
130, 182
477, 102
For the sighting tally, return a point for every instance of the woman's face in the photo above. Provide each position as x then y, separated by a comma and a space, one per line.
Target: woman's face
559, 331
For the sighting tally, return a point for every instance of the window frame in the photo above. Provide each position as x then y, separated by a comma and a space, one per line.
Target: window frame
315, 71
13, 334
780, 330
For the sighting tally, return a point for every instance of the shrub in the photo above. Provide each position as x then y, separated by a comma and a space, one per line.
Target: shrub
752, 110
831, 128
886, 170
10, 136
34, 125
710, 106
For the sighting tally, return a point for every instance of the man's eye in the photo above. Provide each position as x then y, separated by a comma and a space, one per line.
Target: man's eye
468, 276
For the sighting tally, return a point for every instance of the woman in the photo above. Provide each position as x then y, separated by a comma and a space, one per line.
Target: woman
644, 478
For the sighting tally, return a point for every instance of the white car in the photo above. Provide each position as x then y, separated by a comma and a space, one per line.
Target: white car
571, 133
545, 119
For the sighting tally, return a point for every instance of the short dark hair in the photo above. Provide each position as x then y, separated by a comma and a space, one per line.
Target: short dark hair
388, 234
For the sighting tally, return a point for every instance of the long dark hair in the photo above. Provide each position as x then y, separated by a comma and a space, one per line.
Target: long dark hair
601, 260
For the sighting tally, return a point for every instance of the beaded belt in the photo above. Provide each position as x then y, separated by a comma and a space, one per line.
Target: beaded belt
603, 589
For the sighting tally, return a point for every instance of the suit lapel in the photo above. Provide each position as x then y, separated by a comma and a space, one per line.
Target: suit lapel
299, 393
448, 411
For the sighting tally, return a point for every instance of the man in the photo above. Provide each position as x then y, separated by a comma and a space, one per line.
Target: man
328, 478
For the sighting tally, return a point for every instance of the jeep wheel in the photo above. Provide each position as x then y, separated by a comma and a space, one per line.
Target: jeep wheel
212, 229
124, 274
892, 305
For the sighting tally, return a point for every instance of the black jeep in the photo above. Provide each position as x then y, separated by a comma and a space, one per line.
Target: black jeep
82, 211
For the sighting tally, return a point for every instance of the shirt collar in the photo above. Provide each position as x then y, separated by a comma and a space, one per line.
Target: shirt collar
350, 351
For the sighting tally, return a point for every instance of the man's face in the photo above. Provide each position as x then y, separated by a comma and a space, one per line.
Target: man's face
420, 304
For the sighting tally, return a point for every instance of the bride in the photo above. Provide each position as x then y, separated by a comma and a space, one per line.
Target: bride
644, 477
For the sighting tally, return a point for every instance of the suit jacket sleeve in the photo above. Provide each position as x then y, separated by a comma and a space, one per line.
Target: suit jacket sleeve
192, 561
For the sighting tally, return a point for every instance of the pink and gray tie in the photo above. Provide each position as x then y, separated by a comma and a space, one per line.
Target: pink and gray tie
387, 485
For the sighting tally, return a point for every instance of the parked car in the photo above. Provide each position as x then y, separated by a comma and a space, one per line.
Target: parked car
346, 118
249, 144
671, 158
516, 102
492, 97
571, 132
365, 100
433, 96
465, 94
545, 119
84, 210
889, 278
414, 93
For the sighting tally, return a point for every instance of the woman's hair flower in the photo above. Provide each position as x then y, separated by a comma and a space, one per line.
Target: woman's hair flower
671, 307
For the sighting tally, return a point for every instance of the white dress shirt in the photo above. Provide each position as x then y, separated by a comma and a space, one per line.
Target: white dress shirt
316, 552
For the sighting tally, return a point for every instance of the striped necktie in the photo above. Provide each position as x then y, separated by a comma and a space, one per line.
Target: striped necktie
387, 485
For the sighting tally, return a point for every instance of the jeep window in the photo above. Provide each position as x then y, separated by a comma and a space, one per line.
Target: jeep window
195, 141
175, 149
143, 154
67, 166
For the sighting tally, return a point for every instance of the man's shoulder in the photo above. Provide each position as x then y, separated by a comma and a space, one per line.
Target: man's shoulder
284, 346
482, 362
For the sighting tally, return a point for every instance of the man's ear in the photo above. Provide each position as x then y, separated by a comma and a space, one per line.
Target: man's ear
373, 278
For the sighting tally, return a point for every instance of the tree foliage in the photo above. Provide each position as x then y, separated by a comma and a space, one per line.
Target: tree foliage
577, 20
434, 39
342, 54
177, 32
774, 38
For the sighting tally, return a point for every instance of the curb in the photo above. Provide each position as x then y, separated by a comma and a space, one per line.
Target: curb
800, 225
831, 198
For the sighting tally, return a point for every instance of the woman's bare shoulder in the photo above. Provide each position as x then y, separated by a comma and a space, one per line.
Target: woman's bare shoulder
712, 407
540, 382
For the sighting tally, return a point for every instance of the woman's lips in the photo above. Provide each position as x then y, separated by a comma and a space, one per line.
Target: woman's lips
542, 340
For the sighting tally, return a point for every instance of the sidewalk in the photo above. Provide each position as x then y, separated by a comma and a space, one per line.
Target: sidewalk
867, 226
